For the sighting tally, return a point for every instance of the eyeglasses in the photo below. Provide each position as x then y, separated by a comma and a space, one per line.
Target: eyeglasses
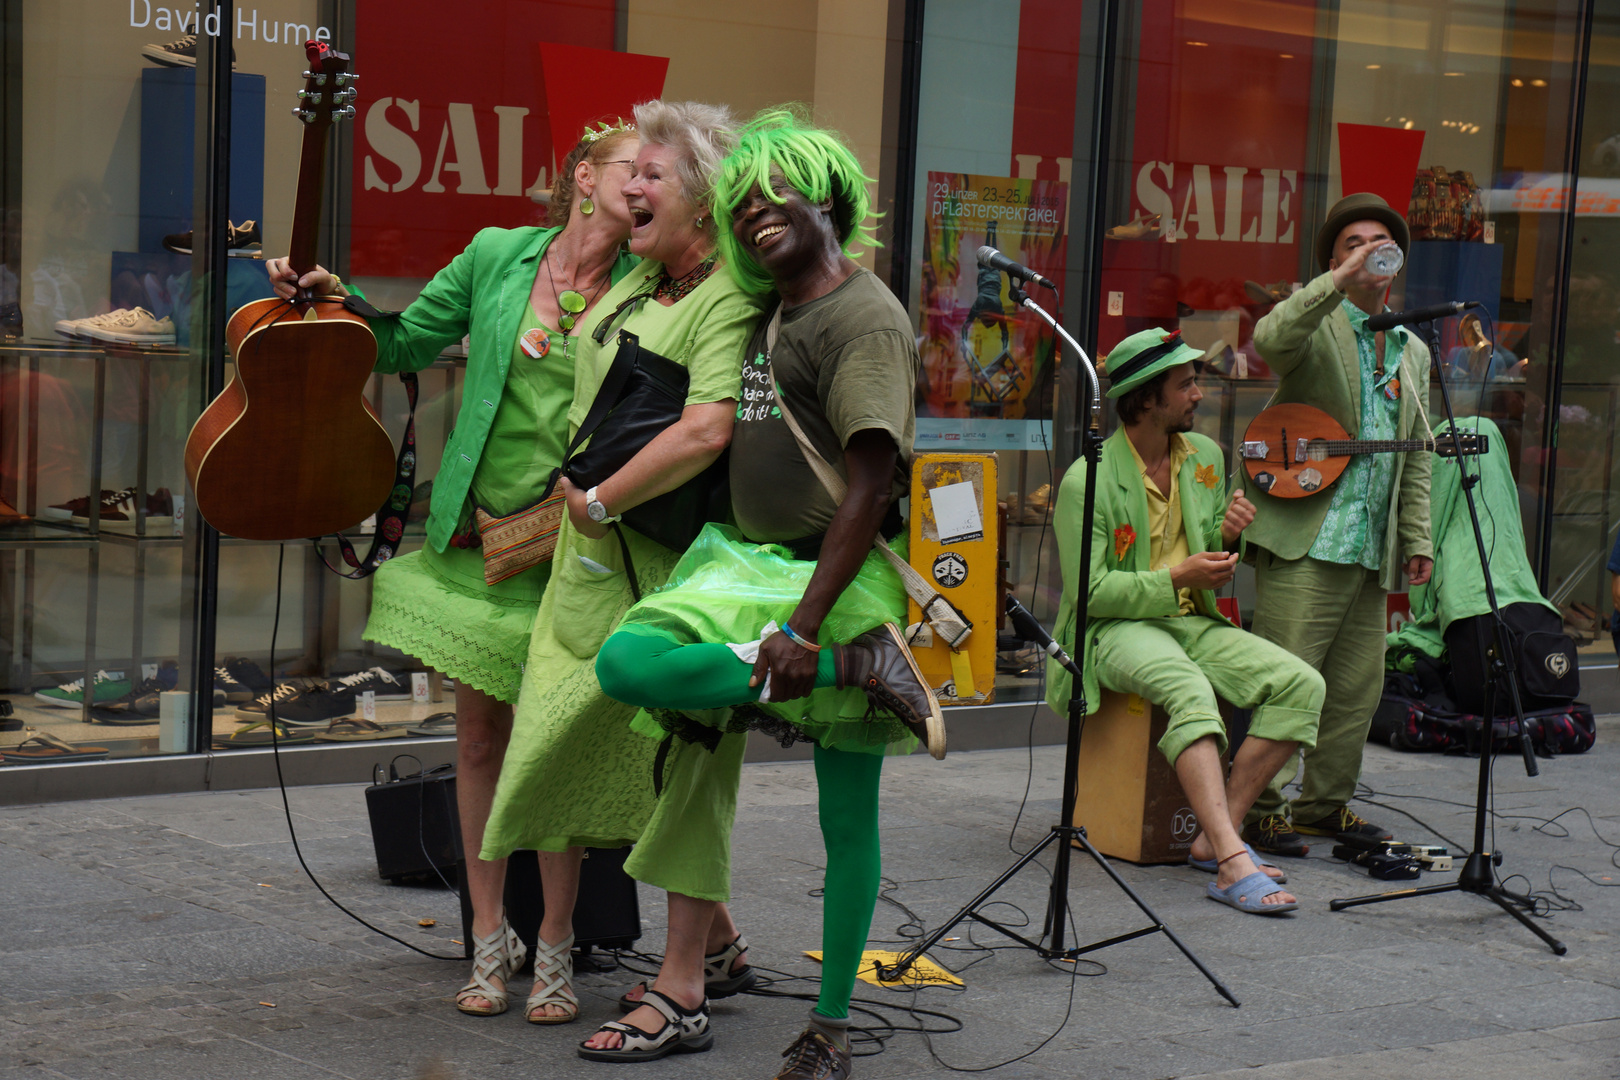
623, 161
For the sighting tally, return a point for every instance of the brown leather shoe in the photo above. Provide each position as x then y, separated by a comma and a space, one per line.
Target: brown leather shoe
814, 1057
880, 664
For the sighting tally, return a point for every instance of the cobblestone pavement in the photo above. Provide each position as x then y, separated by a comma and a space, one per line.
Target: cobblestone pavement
176, 937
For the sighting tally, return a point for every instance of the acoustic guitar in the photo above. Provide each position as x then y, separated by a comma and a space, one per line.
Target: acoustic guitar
1291, 451
291, 448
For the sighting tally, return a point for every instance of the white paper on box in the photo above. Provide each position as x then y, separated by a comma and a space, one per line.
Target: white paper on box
174, 722
368, 704
956, 512
419, 687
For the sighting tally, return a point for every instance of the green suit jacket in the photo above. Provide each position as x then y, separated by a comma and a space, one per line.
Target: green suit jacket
1126, 587
481, 293
1308, 341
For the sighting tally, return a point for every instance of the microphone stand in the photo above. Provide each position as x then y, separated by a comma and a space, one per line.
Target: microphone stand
1065, 834
1501, 680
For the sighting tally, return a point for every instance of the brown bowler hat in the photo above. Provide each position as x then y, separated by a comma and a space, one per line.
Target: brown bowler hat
1362, 206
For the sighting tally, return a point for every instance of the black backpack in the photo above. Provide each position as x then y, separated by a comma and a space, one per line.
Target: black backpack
1549, 675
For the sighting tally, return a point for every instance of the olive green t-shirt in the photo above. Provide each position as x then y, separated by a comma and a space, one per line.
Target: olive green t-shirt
845, 362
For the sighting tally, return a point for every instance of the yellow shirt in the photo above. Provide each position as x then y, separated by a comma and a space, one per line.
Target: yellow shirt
1168, 540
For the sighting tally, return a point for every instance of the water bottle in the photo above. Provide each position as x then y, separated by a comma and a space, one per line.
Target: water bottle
1386, 261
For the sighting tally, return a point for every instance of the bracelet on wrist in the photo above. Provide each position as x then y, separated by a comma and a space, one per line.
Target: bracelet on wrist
799, 641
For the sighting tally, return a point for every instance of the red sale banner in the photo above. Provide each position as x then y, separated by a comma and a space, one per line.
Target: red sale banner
454, 132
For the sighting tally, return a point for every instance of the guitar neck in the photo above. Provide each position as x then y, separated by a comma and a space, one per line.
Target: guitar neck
1341, 447
303, 251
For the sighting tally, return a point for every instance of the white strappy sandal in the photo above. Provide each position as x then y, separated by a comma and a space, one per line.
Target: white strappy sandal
553, 982
495, 956
719, 981
684, 1031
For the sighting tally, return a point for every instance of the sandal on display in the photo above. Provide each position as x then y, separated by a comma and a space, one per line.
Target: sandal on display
495, 956
1248, 894
1209, 866
357, 729
719, 980
43, 746
684, 1031
553, 982
440, 723
257, 733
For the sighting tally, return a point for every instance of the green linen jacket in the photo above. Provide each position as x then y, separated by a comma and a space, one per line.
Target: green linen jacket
1308, 341
1127, 588
481, 294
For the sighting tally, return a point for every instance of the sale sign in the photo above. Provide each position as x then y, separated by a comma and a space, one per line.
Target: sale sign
981, 353
454, 132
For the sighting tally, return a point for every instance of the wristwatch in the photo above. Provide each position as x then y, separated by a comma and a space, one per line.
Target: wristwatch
596, 511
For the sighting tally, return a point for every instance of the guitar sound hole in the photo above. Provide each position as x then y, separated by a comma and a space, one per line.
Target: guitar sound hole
1316, 450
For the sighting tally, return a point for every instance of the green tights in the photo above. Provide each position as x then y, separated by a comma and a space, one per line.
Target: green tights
652, 671
655, 671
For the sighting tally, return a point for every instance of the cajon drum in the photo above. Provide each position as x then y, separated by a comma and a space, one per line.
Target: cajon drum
1128, 797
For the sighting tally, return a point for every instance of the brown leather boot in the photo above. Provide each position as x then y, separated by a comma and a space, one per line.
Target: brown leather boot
880, 664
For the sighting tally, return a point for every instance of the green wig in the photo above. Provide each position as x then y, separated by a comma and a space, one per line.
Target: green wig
815, 162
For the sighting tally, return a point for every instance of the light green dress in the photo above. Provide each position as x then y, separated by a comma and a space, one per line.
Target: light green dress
575, 774
435, 605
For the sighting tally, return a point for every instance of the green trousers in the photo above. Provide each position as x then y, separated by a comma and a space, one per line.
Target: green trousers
1183, 662
688, 839
1333, 618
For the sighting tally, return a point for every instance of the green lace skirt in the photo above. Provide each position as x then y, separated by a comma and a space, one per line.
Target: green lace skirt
435, 606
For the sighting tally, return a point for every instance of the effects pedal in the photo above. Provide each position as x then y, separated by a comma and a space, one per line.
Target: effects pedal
1380, 864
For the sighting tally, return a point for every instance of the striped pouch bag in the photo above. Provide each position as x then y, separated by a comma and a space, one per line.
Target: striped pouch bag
518, 541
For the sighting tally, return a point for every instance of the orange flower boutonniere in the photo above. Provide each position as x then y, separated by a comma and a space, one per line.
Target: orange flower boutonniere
1205, 474
1124, 537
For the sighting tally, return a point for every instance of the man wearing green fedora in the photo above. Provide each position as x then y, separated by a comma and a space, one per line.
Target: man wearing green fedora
1164, 538
1325, 563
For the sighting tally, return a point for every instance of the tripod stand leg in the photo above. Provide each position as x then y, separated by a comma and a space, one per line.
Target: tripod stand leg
1158, 924
1394, 894
1558, 947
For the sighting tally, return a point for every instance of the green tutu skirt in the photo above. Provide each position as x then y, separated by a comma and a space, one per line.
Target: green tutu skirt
725, 590
434, 606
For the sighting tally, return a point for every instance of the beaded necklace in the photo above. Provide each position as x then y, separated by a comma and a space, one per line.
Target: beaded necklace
672, 288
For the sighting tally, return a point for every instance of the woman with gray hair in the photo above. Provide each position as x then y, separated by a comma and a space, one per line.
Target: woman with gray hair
575, 775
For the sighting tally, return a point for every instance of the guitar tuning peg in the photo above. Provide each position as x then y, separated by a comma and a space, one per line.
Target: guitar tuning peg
314, 98
305, 115
307, 75
348, 112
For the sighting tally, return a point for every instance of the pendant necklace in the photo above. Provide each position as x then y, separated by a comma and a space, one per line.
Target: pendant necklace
571, 303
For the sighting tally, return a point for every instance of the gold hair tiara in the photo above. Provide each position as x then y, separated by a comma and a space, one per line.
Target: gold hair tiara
605, 129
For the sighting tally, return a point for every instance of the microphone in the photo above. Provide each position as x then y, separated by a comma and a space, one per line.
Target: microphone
1030, 629
995, 260
1391, 319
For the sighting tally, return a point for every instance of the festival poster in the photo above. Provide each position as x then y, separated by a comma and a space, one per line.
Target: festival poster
983, 357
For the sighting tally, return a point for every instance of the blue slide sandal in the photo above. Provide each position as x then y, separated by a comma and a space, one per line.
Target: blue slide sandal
1209, 866
1246, 894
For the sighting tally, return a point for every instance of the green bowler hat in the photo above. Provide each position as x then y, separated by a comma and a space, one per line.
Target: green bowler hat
1143, 355
1362, 206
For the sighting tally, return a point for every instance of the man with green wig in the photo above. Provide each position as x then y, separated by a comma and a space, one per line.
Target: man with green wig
1164, 537
788, 623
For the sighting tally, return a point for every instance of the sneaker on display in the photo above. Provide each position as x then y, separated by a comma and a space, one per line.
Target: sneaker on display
225, 682
120, 506
107, 686
241, 241
142, 704
181, 52
249, 674
316, 705
130, 326
380, 681
260, 705
11, 321
74, 508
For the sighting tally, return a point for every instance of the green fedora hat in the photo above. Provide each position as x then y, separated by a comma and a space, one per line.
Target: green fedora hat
1362, 206
1142, 356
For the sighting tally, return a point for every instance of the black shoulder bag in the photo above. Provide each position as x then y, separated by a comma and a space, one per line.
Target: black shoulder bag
643, 394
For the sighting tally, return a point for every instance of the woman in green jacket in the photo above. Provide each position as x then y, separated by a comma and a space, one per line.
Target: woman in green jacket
521, 296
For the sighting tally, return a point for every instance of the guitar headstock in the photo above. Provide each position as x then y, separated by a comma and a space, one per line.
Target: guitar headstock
329, 92
1471, 444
